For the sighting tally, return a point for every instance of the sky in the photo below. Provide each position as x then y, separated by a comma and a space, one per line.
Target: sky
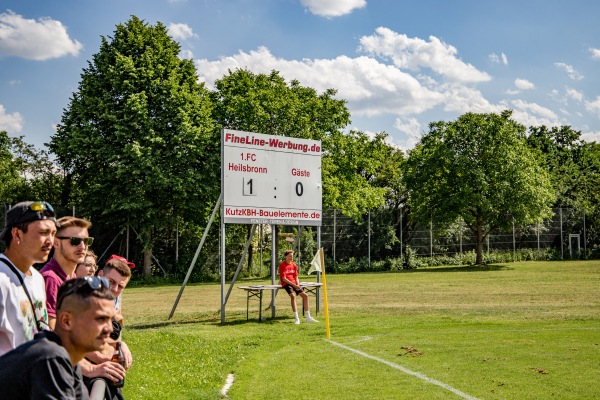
400, 65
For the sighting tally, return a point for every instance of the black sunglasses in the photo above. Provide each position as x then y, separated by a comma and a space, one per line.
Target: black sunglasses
74, 285
75, 241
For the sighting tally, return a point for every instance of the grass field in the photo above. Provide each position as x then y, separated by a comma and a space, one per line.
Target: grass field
515, 331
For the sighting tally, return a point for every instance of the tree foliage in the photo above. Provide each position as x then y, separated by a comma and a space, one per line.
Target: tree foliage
26, 172
137, 139
574, 165
480, 169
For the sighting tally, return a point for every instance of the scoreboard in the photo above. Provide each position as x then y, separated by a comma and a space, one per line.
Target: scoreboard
269, 179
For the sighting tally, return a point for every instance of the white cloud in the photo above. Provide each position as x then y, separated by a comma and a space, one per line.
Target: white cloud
595, 53
414, 54
532, 114
593, 106
186, 54
181, 31
524, 84
512, 92
10, 122
333, 8
497, 59
591, 136
412, 129
400, 84
35, 40
571, 72
574, 94
461, 99
370, 87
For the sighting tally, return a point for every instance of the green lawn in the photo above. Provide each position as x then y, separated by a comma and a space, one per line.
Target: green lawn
515, 331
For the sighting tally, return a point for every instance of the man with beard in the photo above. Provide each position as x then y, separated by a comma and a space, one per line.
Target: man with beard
28, 233
70, 247
46, 367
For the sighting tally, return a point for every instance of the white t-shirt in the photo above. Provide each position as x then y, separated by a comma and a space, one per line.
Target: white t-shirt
17, 323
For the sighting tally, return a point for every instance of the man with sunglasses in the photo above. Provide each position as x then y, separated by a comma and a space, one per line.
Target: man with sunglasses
70, 247
47, 367
28, 233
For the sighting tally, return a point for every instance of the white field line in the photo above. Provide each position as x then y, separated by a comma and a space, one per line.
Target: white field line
228, 383
406, 371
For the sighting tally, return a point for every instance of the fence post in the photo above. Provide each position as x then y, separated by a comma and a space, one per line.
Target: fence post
369, 239
562, 250
538, 236
431, 238
514, 243
401, 212
334, 216
460, 233
584, 237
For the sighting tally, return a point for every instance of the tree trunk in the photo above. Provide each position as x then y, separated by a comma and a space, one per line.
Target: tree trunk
479, 256
148, 253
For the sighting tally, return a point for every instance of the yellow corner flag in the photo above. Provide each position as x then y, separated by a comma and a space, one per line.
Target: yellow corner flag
318, 264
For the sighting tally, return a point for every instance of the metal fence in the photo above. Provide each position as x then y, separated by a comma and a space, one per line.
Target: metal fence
378, 235
343, 238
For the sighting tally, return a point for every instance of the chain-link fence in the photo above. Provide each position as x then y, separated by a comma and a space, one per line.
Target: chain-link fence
379, 235
567, 232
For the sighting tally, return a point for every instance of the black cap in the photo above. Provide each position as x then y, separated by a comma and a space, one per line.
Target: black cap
28, 211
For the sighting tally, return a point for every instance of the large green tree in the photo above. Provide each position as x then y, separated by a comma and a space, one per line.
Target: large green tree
267, 104
137, 139
480, 169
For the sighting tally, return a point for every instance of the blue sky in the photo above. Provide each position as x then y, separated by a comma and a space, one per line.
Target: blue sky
399, 64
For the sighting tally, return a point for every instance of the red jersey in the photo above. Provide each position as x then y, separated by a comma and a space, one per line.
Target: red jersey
289, 272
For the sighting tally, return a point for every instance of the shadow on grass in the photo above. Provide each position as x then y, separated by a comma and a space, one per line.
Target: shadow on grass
464, 268
210, 320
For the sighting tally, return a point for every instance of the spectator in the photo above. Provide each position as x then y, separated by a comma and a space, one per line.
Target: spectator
288, 276
98, 365
70, 247
46, 367
118, 272
29, 233
88, 267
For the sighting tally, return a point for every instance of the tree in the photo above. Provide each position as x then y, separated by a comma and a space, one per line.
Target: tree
478, 168
12, 181
574, 165
26, 172
137, 137
267, 104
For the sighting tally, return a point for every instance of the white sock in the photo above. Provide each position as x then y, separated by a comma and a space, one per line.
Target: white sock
296, 315
307, 313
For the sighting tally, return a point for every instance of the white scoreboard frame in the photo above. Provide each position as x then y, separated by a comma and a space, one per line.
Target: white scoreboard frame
269, 179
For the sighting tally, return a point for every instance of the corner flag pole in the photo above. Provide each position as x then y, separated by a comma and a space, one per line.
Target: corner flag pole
327, 331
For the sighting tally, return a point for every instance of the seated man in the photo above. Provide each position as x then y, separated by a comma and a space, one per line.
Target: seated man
47, 366
288, 277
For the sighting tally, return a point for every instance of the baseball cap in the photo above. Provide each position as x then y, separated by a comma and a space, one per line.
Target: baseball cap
116, 257
28, 211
